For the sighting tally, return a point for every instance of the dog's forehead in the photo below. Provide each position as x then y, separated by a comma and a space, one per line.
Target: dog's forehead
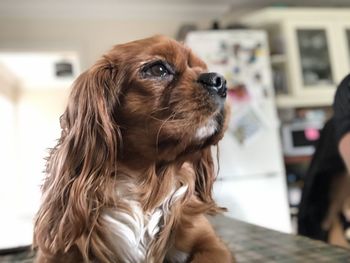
173, 52
160, 47
177, 53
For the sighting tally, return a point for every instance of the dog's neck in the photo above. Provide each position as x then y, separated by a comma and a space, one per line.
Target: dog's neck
135, 163
138, 227
140, 161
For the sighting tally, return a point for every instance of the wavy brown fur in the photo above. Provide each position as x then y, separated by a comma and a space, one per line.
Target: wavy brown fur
119, 127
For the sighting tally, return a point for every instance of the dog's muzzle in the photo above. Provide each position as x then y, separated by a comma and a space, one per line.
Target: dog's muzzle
214, 83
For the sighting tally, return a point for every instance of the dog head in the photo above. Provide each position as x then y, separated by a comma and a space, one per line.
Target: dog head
153, 99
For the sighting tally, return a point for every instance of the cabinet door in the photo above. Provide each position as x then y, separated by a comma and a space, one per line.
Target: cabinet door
312, 57
347, 42
344, 46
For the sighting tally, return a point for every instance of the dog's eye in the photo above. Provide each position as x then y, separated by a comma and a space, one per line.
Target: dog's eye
158, 70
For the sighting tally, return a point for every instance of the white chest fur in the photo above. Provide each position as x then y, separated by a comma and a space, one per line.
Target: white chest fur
132, 233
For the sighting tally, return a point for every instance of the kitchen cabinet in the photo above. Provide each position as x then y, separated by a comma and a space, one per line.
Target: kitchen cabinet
310, 52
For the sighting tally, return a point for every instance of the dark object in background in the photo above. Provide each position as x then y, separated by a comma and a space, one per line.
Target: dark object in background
237, 26
341, 108
18, 255
15, 250
184, 30
215, 25
326, 165
63, 69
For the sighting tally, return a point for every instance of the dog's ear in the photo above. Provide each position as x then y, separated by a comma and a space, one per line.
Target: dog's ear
81, 167
205, 169
204, 178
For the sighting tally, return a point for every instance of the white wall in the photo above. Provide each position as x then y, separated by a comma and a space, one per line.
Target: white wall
91, 38
29, 125
7, 120
38, 128
7, 139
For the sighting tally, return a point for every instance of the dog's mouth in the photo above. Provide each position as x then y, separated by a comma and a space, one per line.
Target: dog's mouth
209, 133
215, 85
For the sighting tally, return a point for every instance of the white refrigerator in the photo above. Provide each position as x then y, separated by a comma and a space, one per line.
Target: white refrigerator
251, 182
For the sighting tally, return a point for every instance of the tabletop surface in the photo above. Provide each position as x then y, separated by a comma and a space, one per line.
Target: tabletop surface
251, 244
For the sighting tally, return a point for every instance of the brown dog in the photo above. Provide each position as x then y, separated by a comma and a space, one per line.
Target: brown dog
131, 176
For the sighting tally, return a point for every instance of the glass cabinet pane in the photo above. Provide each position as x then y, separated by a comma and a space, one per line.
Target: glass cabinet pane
314, 57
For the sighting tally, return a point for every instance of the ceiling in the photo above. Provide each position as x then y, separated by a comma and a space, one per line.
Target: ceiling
143, 9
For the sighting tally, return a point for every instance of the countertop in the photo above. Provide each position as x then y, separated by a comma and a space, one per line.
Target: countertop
254, 244
251, 244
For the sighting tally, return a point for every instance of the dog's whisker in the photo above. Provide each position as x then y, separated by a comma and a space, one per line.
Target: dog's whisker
160, 109
160, 128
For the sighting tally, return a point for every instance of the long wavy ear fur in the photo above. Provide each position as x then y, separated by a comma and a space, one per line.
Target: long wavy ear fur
80, 169
205, 177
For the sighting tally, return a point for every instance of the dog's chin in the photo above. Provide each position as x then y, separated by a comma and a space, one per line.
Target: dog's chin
210, 128
210, 133
213, 127
207, 130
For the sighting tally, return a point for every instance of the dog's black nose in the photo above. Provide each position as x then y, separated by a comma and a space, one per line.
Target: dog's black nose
214, 83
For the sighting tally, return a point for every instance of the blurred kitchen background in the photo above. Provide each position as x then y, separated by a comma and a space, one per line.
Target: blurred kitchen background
282, 59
